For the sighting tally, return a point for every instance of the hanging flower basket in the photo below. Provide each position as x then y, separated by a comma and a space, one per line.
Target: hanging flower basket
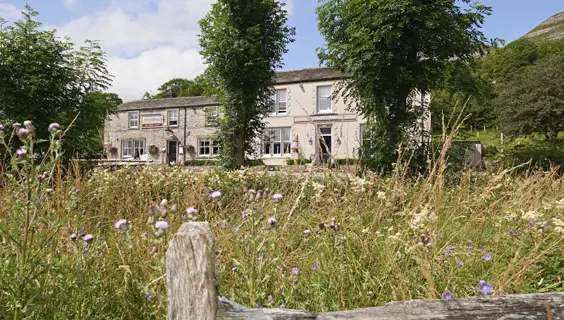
190, 149
153, 149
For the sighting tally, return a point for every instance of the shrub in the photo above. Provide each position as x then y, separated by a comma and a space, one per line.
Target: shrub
300, 161
201, 162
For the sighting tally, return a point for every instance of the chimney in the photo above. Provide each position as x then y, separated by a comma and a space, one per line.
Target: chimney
170, 94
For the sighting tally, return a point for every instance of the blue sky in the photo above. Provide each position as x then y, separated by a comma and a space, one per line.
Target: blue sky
151, 41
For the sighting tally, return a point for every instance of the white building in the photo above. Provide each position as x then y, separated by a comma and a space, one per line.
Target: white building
305, 123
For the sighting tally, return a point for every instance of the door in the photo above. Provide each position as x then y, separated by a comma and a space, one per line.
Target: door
325, 141
172, 151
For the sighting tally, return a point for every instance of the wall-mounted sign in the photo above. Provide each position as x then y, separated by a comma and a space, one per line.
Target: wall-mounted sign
326, 118
152, 121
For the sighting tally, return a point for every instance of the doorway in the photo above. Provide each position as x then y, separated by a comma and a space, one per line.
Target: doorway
172, 151
324, 143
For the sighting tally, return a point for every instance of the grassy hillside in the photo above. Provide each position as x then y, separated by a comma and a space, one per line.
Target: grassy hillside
551, 28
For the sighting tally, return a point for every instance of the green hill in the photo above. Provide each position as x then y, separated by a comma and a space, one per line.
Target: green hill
551, 28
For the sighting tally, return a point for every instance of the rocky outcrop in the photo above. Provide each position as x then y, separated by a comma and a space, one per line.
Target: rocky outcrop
551, 28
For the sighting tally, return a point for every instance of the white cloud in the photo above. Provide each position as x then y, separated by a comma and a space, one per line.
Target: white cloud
9, 11
148, 41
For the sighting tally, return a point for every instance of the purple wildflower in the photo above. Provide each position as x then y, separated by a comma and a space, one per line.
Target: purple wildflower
53, 127
272, 221
277, 196
315, 266
144, 234
486, 257
485, 287
470, 241
234, 268
471, 248
447, 295
295, 270
513, 232
449, 250
283, 305
1, 127
548, 225
459, 262
191, 211
216, 195
21, 151
148, 296
532, 223
73, 236
223, 299
439, 236
245, 214
307, 232
23, 133
481, 248
429, 245
259, 305
161, 225
88, 238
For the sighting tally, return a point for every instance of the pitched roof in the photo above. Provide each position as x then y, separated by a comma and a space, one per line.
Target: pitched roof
307, 75
282, 77
168, 103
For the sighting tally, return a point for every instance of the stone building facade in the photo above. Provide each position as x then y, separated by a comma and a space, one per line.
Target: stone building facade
305, 123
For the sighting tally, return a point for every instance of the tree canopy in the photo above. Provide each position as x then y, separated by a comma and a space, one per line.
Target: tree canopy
533, 101
391, 48
202, 85
243, 43
43, 79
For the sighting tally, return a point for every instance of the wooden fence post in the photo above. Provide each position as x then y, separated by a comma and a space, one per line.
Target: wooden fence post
190, 269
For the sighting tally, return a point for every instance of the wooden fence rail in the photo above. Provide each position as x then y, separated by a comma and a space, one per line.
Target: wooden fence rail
190, 264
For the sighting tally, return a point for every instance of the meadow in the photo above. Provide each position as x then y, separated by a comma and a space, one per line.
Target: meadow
91, 245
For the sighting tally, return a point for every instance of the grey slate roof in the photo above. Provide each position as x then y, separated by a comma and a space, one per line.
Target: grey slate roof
168, 103
282, 77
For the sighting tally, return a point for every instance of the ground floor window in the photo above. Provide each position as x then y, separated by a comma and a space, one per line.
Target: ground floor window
208, 147
132, 148
276, 141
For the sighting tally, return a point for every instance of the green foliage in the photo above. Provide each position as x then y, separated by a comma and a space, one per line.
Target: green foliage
201, 162
390, 49
202, 85
243, 42
534, 101
300, 161
43, 78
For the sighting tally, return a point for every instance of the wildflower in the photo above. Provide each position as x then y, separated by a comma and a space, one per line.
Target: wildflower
1, 127
439, 236
259, 305
429, 245
307, 232
148, 296
174, 207
459, 262
73, 236
162, 227
245, 214
447, 295
144, 234
485, 287
121, 224
449, 249
191, 213
283, 305
216, 195
277, 196
471, 248
234, 268
23, 133
272, 221
17, 126
29, 127
295, 270
88, 238
486, 257
54, 127
223, 299
21, 152
48, 191
315, 266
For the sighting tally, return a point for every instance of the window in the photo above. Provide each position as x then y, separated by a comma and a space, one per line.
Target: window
211, 116
324, 103
172, 118
276, 141
132, 148
133, 120
280, 102
208, 147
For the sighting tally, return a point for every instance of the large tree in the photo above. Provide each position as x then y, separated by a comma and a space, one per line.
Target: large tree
390, 48
533, 101
202, 85
43, 79
243, 42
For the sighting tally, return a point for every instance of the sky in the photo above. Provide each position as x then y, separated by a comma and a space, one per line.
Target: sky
151, 41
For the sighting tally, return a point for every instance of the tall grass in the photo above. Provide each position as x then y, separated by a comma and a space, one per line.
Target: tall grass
371, 239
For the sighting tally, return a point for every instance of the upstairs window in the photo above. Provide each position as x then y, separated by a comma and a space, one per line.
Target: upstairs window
172, 118
211, 114
324, 103
133, 120
280, 102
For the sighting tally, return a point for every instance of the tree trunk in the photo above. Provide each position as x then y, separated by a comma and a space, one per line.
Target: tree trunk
240, 150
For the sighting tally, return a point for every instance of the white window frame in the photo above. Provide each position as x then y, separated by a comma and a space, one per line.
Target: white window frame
285, 144
134, 144
129, 126
206, 122
213, 146
168, 117
278, 102
318, 98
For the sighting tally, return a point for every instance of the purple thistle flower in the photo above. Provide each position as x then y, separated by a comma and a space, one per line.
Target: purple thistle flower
307, 232
191, 211
234, 268
272, 221
485, 287
459, 262
21, 151
295, 270
216, 195
429, 245
88, 238
1, 127
532, 223
245, 214
447, 295
73, 236
23, 133
148, 296
161, 225
548, 225
16, 126
53, 127
486, 257
471, 248
277, 196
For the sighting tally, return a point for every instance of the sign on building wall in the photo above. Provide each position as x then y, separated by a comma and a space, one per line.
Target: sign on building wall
152, 120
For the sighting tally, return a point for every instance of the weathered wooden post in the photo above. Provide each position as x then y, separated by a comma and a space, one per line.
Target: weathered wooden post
190, 268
